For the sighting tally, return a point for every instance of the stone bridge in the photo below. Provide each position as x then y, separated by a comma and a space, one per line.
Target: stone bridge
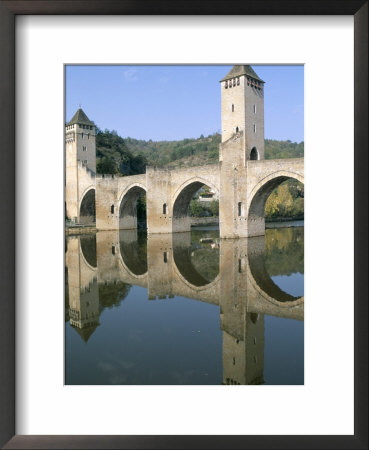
242, 190
242, 178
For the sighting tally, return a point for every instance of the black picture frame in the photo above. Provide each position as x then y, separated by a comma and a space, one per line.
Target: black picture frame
8, 11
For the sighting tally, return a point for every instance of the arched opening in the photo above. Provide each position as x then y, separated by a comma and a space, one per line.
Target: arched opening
237, 129
194, 203
254, 155
132, 211
87, 211
134, 252
88, 247
276, 263
281, 198
196, 258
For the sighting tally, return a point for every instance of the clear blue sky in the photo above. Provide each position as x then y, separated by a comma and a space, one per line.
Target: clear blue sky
176, 102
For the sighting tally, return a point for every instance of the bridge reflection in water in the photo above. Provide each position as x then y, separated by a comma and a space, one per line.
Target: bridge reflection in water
236, 275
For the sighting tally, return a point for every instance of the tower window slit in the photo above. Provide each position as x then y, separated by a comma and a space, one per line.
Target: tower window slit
164, 208
112, 209
165, 256
232, 108
239, 208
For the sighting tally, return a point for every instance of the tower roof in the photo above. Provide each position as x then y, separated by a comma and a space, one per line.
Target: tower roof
80, 118
86, 332
239, 70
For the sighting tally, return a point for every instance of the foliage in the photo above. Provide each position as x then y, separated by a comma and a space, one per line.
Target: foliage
201, 209
114, 157
284, 251
283, 149
286, 201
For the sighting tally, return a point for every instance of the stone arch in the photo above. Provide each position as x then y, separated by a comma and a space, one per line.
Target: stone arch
181, 201
254, 154
133, 256
88, 249
87, 207
188, 273
264, 285
259, 196
128, 206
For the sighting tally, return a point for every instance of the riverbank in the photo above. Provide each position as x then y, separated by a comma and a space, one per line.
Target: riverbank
196, 222
71, 230
285, 224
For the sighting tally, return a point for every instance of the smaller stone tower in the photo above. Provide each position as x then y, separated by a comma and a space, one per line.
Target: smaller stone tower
80, 137
243, 110
80, 161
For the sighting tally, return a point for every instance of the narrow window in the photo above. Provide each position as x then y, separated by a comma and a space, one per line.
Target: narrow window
88, 135
254, 127
113, 250
254, 109
238, 81
232, 108
239, 265
234, 361
84, 148
85, 161
226, 84
112, 209
82, 135
239, 208
165, 255
164, 208
254, 340
237, 130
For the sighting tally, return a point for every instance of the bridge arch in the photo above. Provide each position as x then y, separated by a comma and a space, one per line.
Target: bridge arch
133, 256
88, 250
259, 196
181, 202
264, 285
87, 206
128, 206
187, 272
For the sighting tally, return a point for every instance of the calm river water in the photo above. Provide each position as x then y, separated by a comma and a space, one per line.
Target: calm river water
184, 309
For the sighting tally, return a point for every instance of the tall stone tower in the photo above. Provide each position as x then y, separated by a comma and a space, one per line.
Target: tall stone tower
80, 160
243, 110
242, 142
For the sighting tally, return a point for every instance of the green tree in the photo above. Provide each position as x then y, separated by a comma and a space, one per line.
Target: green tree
196, 209
214, 207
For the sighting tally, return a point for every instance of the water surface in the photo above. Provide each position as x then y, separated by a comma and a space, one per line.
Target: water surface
186, 308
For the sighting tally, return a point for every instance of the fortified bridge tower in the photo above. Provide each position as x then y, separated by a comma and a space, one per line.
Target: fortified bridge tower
242, 178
